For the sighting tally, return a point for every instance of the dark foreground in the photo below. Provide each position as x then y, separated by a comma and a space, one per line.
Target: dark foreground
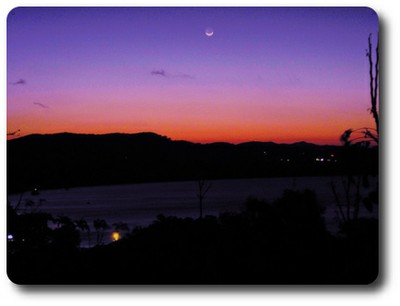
284, 242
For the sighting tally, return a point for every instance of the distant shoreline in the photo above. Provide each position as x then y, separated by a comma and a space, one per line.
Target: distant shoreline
68, 160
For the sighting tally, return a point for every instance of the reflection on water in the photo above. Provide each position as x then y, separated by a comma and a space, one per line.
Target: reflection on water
139, 204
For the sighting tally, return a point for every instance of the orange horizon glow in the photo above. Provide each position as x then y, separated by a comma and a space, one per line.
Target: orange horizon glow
206, 122
328, 134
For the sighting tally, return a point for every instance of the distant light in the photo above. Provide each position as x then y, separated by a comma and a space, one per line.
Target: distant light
10, 237
317, 159
288, 160
115, 236
322, 159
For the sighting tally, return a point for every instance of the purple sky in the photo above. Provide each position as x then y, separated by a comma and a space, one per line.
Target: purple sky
280, 74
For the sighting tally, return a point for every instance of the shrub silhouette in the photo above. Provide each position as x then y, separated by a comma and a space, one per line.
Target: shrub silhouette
66, 236
29, 230
279, 242
100, 226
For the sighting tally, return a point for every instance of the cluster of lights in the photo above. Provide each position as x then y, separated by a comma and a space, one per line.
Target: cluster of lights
115, 236
329, 159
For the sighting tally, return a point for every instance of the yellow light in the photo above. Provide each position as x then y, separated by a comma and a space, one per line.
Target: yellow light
115, 236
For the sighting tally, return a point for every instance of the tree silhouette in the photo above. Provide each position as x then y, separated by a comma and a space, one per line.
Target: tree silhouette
62, 221
203, 188
373, 84
65, 236
100, 225
83, 226
365, 135
357, 142
121, 226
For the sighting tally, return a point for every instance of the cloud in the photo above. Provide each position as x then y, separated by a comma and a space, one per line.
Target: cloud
20, 82
163, 73
159, 72
183, 76
41, 105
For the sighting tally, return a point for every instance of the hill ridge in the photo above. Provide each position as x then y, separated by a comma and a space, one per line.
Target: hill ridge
65, 160
155, 135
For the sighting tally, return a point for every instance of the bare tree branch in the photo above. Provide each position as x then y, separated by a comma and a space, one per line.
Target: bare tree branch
373, 81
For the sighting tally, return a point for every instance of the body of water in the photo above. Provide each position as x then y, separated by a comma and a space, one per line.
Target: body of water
139, 204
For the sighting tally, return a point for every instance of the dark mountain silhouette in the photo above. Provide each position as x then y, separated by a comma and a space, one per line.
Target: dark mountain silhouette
67, 160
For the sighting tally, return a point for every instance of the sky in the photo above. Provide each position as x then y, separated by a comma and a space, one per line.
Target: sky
265, 74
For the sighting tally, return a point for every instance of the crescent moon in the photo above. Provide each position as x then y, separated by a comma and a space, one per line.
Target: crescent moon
209, 32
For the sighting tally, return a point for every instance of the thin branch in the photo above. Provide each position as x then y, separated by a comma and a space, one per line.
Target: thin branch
376, 86
364, 128
13, 133
336, 195
373, 81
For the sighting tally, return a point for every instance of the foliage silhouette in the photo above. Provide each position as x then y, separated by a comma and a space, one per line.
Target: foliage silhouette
66, 236
100, 226
279, 242
357, 143
366, 135
83, 226
121, 226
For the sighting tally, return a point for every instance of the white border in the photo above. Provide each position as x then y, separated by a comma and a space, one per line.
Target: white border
385, 292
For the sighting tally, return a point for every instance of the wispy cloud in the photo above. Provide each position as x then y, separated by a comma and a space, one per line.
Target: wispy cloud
41, 105
20, 82
183, 76
159, 72
163, 73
